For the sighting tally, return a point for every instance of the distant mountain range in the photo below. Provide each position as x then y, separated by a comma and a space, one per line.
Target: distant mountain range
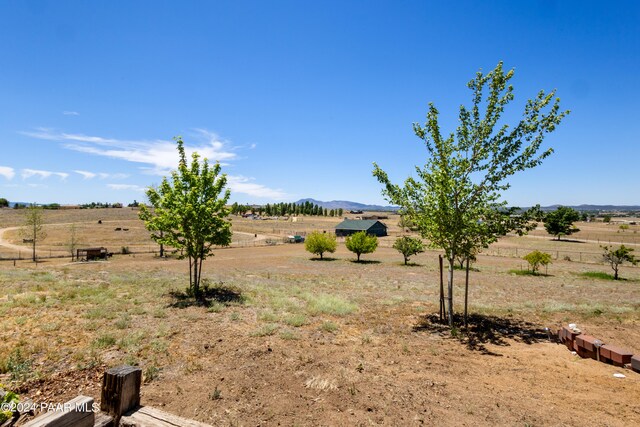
349, 206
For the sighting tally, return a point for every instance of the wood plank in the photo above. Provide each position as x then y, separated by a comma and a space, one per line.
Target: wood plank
103, 420
147, 416
77, 412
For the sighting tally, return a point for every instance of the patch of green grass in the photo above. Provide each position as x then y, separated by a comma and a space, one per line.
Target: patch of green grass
526, 273
159, 345
151, 372
268, 316
159, 313
289, 335
235, 316
329, 326
266, 330
597, 275
124, 322
100, 313
50, 327
17, 365
104, 341
215, 307
329, 304
296, 320
131, 340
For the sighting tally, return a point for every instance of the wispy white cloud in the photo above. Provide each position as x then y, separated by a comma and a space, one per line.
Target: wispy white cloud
28, 173
70, 113
101, 175
86, 174
7, 172
242, 184
158, 157
127, 187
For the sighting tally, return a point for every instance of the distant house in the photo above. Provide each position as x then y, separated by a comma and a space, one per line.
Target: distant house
350, 226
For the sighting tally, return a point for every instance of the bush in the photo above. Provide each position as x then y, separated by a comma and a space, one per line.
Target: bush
318, 243
408, 246
361, 243
536, 259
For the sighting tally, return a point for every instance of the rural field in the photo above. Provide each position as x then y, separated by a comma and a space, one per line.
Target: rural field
287, 339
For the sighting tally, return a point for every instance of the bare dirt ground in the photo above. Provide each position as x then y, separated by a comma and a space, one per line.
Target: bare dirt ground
289, 340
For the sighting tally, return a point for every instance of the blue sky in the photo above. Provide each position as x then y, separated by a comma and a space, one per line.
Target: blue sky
298, 98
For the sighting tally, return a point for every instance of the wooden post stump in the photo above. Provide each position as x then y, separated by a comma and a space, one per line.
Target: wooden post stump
120, 390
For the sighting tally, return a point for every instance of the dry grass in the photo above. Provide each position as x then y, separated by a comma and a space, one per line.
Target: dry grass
60, 316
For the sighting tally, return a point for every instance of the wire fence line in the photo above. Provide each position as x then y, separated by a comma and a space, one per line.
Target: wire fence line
505, 252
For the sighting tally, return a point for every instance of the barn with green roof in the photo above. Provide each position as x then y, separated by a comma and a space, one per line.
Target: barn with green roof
350, 226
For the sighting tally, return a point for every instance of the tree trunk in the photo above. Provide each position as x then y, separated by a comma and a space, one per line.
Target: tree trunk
615, 273
441, 287
358, 257
450, 292
466, 294
405, 260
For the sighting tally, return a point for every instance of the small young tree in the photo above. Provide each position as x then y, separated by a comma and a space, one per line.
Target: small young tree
33, 227
73, 241
455, 197
536, 259
318, 243
618, 256
361, 243
408, 246
560, 222
190, 212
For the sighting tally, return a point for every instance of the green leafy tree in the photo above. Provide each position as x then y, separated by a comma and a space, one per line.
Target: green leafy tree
606, 218
33, 228
190, 212
4, 203
616, 257
560, 222
455, 200
340, 212
537, 259
361, 243
408, 246
320, 243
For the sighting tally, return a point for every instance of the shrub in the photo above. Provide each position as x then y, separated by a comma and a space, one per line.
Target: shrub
361, 243
318, 243
408, 246
536, 259
618, 256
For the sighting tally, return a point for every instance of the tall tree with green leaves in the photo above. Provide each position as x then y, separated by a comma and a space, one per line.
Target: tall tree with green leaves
33, 228
190, 211
560, 222
455, 200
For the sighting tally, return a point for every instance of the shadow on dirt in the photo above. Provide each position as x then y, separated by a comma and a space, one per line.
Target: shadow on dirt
210, 294
323, 259
484, 329
364, 261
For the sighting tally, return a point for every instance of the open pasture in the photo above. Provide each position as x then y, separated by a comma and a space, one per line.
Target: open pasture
292, 340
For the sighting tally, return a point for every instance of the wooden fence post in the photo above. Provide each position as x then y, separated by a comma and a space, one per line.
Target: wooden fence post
120, 391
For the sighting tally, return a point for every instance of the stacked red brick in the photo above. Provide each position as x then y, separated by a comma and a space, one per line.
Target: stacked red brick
590, 347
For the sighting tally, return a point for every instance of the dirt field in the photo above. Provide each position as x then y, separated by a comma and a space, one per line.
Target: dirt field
289, 340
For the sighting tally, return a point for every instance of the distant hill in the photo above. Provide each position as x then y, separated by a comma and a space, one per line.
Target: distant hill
355, 206
347, 205
602, 208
